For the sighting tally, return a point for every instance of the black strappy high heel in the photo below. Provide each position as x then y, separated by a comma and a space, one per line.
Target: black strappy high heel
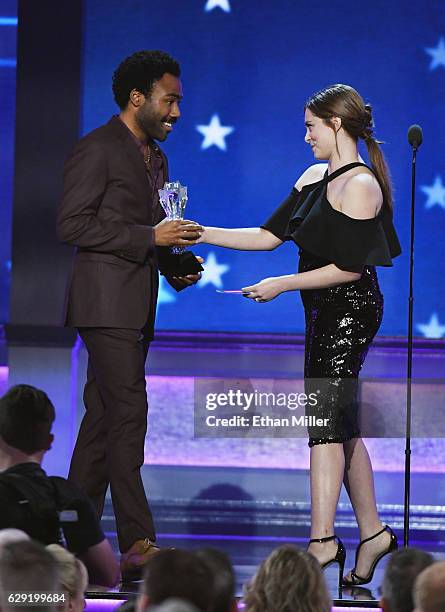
339, 558
393, 545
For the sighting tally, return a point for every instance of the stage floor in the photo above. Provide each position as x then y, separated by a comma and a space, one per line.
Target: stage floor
246, 553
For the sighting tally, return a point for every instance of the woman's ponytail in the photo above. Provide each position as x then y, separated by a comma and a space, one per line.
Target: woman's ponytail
380, 167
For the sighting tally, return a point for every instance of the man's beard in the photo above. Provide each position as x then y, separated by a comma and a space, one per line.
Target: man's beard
150, 123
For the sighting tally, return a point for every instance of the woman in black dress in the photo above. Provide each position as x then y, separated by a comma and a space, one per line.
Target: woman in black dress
340, 216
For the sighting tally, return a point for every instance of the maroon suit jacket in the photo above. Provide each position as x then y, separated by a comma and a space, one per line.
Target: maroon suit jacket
108, 209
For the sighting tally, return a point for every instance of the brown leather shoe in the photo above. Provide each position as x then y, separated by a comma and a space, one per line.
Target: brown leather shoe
134, 560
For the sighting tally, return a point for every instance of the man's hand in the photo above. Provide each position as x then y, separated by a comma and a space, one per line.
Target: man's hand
190, 279
177, 233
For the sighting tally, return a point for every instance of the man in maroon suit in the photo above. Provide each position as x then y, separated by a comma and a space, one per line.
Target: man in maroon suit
110, 212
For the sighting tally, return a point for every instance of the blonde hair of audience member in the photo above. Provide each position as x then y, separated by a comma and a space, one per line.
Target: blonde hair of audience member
429, 589
289, 580
73, 578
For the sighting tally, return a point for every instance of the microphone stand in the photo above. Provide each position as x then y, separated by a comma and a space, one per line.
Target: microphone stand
410, 359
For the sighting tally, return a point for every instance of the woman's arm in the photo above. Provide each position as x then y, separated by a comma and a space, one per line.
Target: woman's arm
361, 199
327, 276
243, 239
256, 238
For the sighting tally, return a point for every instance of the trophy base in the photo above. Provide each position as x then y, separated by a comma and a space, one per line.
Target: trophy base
179, 265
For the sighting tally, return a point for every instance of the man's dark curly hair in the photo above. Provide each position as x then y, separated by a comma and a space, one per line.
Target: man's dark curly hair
140, 71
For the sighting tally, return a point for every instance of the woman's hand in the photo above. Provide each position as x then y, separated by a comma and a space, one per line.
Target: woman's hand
202, 235
266, 290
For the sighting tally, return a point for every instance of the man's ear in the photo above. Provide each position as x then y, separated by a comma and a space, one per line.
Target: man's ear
384, 605
136, 98
49, 442
142, 602
71, 604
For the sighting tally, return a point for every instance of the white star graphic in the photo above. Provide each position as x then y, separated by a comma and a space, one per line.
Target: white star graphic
222, 4
433, 329
214, 134
212, 272
435, 193
437, 54
165, 296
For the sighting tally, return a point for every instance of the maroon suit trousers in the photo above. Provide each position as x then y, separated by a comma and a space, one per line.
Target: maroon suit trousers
110, 445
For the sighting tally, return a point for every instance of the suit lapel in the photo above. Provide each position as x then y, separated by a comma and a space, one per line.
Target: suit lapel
146, 180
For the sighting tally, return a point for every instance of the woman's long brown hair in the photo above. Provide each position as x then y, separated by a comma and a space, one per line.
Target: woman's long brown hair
346, 103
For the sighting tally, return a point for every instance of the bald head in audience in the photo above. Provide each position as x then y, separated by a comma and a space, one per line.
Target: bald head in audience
429, 589
27, 566
8, 536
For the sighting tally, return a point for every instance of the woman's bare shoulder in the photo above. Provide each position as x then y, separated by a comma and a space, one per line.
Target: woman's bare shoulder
313, 174
361, 196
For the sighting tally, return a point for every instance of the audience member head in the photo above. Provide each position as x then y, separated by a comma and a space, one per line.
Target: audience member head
27, 566
289, 580
127, 606
73, 578
429, 589
175, 573
9, 536
223, 579
175, 605
26, 418
401, 571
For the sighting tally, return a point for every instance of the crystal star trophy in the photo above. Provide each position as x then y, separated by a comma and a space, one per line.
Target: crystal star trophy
178, 261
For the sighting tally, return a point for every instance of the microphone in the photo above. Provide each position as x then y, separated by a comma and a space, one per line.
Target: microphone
415, 136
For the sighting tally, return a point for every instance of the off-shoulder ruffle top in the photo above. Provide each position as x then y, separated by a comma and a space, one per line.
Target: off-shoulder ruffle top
307, 218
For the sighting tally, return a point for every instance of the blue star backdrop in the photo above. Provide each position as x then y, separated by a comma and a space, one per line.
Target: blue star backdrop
8, 35
247, 68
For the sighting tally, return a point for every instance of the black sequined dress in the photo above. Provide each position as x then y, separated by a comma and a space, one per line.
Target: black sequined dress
341, 321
